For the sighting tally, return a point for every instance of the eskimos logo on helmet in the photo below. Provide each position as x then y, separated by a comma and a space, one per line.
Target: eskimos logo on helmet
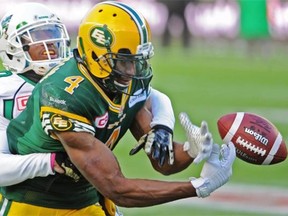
101, 36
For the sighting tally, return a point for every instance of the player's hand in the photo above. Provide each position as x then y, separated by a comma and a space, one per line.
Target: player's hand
200, 142
63, 165
159, 143
216, 170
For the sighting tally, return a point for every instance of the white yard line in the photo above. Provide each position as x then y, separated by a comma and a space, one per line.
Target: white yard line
245, 198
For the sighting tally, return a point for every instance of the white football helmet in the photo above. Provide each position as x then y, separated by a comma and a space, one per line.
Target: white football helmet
32, 26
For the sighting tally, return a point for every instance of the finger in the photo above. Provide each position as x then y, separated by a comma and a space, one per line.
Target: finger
215, 153
156, 151
198, 159
58, 168
228, 153
205, 151
183, 117
232, 154
224, 152
171, 153
148, 143
204, 128
208, 139
186, 146
185, 121
136, 149
162, 156
171, 157
139, 146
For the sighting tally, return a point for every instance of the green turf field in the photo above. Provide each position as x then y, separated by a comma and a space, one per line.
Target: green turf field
207, 82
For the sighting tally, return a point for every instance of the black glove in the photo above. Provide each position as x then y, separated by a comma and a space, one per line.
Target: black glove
160, 139
69, 168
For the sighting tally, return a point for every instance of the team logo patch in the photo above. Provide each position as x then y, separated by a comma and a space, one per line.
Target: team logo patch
61, 123
101, 36
101, 121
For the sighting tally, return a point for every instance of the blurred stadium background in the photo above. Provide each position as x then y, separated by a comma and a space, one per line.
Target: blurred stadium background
232, 56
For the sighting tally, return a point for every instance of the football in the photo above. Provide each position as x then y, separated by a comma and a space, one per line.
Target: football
256, 139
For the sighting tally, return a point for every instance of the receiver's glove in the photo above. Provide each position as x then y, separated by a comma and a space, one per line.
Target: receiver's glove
216, 170
65, 163
200, 142
159, 142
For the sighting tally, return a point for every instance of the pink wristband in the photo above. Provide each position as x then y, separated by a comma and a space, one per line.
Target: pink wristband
52, 160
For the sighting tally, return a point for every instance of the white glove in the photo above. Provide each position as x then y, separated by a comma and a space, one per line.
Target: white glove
200, 142
216, 170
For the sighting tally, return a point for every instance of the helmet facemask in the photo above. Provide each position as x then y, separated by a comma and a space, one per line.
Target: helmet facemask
43, 46
120, 63
32, 38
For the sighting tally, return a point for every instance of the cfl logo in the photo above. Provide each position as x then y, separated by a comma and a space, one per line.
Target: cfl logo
21, 102
101, 121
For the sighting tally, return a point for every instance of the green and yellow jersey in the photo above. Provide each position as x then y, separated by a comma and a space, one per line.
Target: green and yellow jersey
68, 100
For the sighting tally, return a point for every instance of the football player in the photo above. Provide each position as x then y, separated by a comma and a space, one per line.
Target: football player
84, 106
32, 41
27, 60
28, 49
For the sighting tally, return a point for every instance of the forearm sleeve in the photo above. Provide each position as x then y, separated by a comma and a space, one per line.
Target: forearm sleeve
18, 168
162, 110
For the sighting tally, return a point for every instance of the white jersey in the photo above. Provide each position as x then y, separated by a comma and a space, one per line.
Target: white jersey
14, 93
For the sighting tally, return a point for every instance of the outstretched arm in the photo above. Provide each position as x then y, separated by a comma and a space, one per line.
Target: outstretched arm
100, 167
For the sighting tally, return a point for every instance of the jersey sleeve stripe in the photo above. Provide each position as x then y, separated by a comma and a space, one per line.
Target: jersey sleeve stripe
63, 113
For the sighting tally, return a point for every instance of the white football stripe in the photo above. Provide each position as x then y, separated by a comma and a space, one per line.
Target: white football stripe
235, 125
274, 149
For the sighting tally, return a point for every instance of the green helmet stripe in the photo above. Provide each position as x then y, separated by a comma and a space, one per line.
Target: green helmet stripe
139, 21
80, 42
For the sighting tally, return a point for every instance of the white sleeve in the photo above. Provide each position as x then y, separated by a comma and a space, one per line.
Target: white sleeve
17, 168
162, 110
3, 138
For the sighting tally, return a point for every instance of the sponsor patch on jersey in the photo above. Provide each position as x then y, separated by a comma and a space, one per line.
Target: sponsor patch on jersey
57, 101
60, 123
101, 121
21, 102
137, 97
